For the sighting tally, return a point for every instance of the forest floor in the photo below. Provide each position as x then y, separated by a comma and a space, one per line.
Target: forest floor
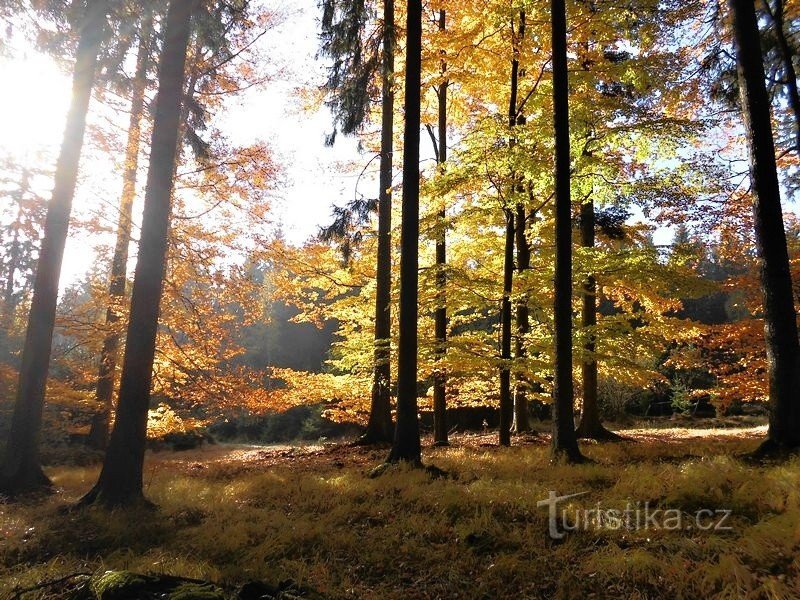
708, 523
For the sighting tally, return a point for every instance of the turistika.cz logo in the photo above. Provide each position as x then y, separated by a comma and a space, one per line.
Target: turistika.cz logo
635, 516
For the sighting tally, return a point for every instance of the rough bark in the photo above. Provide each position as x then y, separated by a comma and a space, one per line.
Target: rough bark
440, 316
20, 471
406, 445
780, 319
98, 434
120, 481
379, 427
564, 441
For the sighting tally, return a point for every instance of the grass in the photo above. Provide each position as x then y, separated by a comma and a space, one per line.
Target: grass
230, 514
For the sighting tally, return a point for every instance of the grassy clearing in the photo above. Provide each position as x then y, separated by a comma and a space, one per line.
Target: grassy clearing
231, 514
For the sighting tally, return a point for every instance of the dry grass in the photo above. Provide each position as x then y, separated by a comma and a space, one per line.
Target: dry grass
232, 513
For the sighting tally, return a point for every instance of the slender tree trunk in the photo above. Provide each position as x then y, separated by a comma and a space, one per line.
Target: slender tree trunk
780, 319
506, 402
564, 441
440, 317
120, 481
590, 426
20, 471
379, 427
98, 434
522, 422
406, 445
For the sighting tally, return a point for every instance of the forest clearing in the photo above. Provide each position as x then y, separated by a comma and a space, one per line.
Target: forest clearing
379, 299
311, 514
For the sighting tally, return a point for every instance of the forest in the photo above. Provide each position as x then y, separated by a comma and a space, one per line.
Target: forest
542, 342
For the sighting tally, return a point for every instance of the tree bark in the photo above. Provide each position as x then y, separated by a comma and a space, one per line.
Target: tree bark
564, 441
780, 319
98, 434
778, 18
406, 445
440, 317
20, 471
379, 427
506, 402
120, 481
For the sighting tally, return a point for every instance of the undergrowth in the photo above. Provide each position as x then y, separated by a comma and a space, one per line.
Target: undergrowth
324, 523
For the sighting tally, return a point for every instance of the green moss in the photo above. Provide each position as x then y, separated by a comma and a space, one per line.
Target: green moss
195, 591
118, 585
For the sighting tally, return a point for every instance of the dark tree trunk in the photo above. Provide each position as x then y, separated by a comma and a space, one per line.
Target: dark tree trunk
440, 317
379, 427
406, 445
20, 471
590, 426
120, 481
98, 434
780, 319
564, 441
522, 422
506, 402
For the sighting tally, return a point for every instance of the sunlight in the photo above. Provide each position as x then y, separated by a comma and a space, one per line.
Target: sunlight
32, 116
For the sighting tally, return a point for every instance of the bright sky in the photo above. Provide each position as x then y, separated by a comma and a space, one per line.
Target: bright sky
32, 121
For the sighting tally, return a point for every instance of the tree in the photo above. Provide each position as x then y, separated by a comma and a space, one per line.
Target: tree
98, 434
120, 481
440, 315
564, 442
406, 446
780, 318
350, 79
20, 471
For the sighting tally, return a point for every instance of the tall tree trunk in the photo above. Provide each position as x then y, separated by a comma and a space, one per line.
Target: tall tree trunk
98, 434
506, 403
522, 422
120, 481
406, 445
20, 471
379, 427
440, 317
564, 441
780, 319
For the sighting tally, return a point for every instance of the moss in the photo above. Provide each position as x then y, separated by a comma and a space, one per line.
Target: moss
118, 585
196, 591
125, 585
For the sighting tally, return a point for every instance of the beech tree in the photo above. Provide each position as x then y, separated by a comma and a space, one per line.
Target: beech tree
120, 481
406, 446
20, 470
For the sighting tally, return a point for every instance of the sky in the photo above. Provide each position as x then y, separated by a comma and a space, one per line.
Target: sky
32, 120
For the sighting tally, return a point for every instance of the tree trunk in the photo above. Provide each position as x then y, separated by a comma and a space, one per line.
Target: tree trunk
590, 426
522, 422
20, 471
780, 319
406, 445
98, 434
440, 317
506, 402
15, 252
379, 427
120, 481
564, 441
